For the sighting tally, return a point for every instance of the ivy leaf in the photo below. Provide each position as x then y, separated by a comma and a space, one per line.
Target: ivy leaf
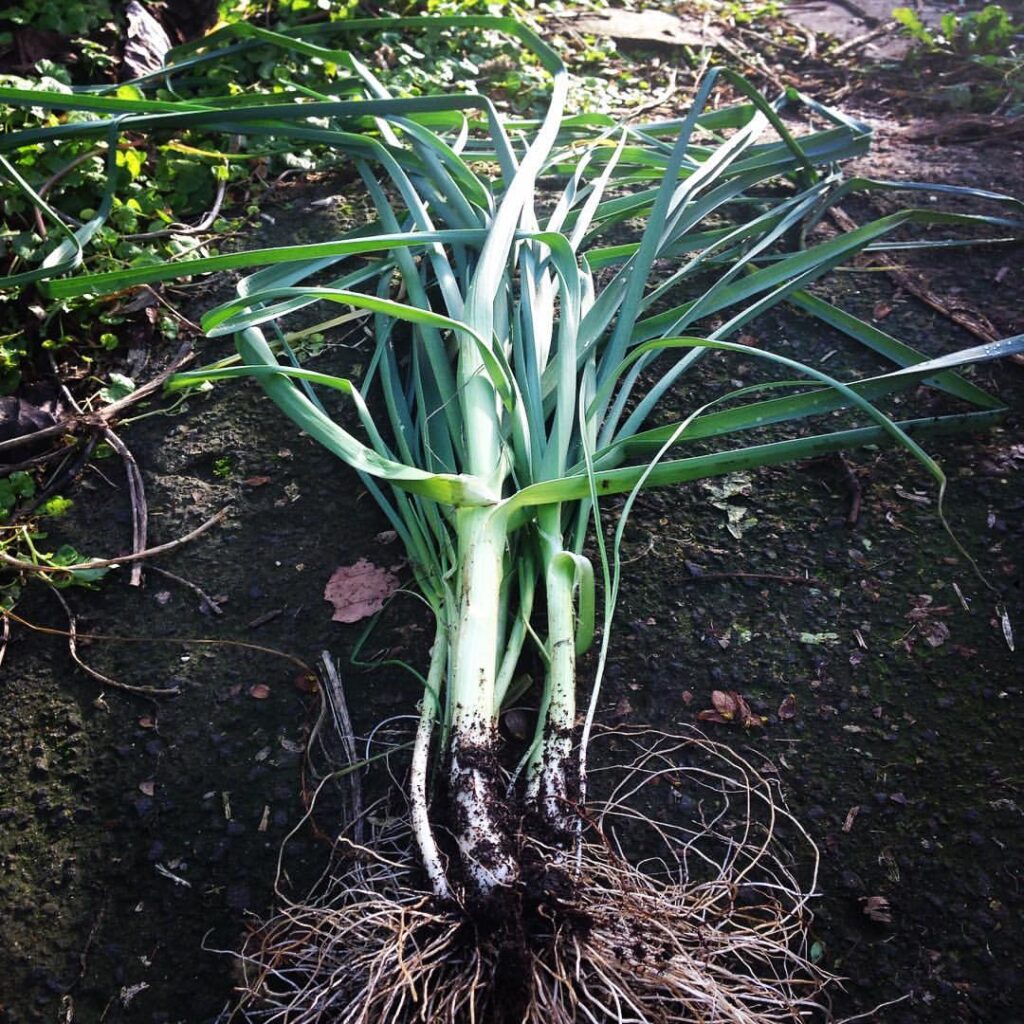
118, 388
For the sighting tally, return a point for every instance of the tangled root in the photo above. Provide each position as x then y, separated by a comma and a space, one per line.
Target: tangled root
650, 922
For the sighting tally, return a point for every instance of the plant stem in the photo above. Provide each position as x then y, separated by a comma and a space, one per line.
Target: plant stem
475, 781
429, 853
549, 769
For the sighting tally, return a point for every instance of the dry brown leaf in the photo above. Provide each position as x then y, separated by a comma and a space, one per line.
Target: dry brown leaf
877, 909
358, 591
712, 716
730, 706
787, 709
148, 787
725, 703
146, 43
259, 691
747, 717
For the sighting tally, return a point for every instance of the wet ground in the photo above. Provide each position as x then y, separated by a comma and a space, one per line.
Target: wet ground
137, 836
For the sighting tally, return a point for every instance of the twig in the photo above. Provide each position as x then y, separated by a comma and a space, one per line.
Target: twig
969, 319
137, 497
72, 635
72, 424
53, 179
335, 697
864, 39
136, 487
68, 425
648, 548
83, 957
72, 466
183, 229
262, 620
205, 599
758, 69
172, 309
39, 460
102, 563
197, 641
182, 357
653, 104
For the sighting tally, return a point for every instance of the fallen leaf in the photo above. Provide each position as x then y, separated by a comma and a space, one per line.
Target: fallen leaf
935, 633
730, 706
260, 691
386, 537
787, 709
881, 310
146, 42
256, 481
747, 717
358, 591
148, 787
877, 909
711, 716
851, 817
725, 703
623, 709
147, 722
687, 697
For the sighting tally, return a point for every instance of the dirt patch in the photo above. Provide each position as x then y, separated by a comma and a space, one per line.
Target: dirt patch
134, 833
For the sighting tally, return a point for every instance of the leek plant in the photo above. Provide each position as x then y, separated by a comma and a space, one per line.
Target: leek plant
537, 288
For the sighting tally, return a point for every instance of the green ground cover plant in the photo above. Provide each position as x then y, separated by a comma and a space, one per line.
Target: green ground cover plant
541, 293
981, 51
